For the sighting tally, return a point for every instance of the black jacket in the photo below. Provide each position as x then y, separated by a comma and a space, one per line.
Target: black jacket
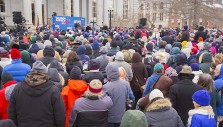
200, 33
39, 106
180, 95
185, 36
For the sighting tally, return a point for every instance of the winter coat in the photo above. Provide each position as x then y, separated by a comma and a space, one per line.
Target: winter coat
139, 73
163, 84
150, 82
196, 75
202, 117
104, 60
17, 69
215, 100
185, 36
112, 52
4, 101
7, 123
126, 66
89, 76
219, 86
180, 95
44, 99
117, 90
70, 93
200, 33
88, 104
70, 65
160, 114
134, 118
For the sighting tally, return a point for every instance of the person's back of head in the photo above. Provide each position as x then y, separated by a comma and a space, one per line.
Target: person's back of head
48, 52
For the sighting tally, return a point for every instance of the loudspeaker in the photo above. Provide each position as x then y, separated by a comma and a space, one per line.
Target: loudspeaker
142, 21
17, 17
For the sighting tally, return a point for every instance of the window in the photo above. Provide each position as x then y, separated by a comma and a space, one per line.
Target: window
2, 6
161, 16
125, 9
94, 9
154, 6
161, 5
154, 16
147, 7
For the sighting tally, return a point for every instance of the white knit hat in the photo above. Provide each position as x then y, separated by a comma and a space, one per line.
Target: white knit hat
155, 93
119, 56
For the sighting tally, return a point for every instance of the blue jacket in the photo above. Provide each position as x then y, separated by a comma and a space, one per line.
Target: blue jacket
17, 69
219, 85
150, 82
199, 120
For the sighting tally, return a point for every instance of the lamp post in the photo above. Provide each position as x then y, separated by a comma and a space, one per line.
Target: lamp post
110, 10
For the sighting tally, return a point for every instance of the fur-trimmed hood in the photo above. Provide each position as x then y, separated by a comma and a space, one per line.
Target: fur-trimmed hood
159, 104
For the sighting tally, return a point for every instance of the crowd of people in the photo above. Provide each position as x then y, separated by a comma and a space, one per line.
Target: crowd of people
125, 77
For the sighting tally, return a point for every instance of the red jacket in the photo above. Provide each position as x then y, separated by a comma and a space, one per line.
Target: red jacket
3, 101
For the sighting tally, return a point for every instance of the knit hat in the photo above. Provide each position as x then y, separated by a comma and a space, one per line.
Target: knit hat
71, 39
119, 56
95, 45
48, 51
48, 43
15, 54
195, 67
4, 53
6, 77
149, 46
93, 64
103, 50
186, 70
39, 66
200, 39
201, 97
25, 56
170, 72
95, 87
194, 50
75, 73
154, 94
184, 43
157, 67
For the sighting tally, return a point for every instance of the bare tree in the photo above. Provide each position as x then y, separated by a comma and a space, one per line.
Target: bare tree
196, 10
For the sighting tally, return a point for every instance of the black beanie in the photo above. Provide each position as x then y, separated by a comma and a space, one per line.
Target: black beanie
75, 73
48, 52
6, 77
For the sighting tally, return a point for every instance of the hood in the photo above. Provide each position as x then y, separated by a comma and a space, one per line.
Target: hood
177, 44
8, 91
81, 50
221, 74
36, 84
175, 51
136, 58
205, 58
57, 65
48, 52
36, 78
159, 104
112, 73
54, 75
89, 50
134, 118
77, 86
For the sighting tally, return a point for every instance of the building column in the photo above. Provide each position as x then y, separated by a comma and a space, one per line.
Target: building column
76, 9
99, 13
106, 7
67, 7
38, 11
90, 11
27, 11
84, 9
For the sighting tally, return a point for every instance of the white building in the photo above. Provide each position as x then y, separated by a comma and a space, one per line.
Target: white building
89, 9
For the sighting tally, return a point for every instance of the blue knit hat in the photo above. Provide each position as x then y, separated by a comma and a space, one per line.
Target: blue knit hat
202, 97
195, 67
158, 66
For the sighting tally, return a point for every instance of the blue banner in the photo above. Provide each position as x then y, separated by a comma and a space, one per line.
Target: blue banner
66, 22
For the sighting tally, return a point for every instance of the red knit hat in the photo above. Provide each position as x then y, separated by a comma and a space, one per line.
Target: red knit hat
15, 54
194, 50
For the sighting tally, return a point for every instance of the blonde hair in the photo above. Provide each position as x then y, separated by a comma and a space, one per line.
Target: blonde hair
122, 73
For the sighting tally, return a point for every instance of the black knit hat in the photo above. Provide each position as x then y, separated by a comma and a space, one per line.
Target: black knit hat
6, 77
75, 73
93, 64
